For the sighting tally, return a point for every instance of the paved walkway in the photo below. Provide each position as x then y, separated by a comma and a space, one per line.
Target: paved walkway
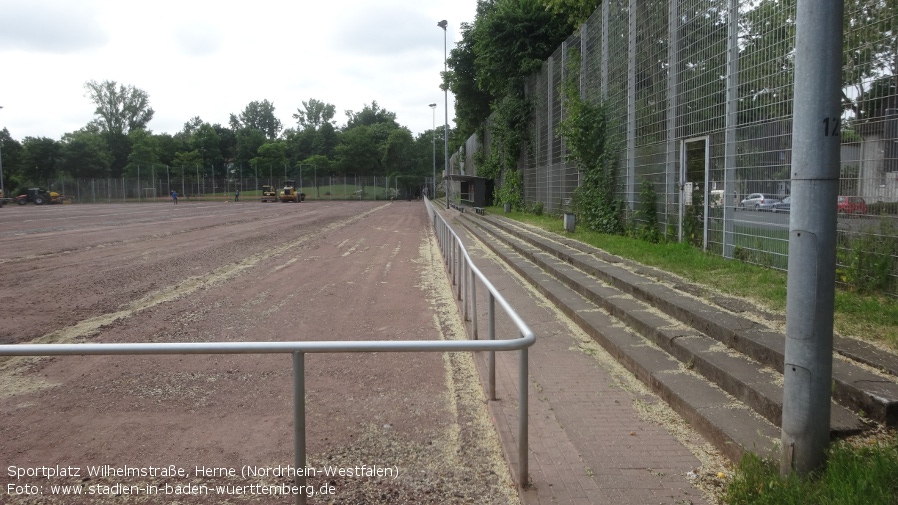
588, 442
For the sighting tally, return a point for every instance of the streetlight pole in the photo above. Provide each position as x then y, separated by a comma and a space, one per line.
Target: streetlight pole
2, 187
442, 24
433, 143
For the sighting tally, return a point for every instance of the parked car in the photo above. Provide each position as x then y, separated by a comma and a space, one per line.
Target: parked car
758, 201
785, 205
852, 205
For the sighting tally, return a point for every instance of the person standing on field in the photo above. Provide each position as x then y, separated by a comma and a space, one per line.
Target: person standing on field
174, 196
236, 195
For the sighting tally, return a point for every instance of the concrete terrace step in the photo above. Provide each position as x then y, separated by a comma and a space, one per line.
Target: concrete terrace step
862, 390
733, 400
719, 417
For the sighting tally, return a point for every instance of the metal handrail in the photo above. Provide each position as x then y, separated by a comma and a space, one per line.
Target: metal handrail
449, 241
455, 255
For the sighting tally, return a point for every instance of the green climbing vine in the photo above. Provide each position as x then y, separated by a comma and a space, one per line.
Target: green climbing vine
508, 128
591, 144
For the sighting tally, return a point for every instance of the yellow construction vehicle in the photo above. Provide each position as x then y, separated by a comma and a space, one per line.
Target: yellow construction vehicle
269, 194
289, 193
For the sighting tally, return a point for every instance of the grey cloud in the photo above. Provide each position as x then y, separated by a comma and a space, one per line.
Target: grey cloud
198, 38
50, 26
387, 31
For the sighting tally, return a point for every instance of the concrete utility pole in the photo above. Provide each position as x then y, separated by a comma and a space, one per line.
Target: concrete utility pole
812, 236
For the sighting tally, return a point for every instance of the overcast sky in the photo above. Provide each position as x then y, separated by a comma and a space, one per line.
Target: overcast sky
209, 59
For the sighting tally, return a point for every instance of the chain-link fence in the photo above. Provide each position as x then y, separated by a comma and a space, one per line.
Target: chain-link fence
133, 189
701, 95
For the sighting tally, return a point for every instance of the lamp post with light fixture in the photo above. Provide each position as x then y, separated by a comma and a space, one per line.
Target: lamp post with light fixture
2, 187
433, 143
442, 24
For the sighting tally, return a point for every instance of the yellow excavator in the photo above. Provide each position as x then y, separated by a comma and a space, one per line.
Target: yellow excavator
269, 194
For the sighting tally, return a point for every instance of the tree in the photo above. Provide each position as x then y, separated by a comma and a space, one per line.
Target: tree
259, 116
272, 157
766, 61
191, 126
227, 144
472, 104
168, 147
40, 158
370, 115
187, 162
207, 142
249, 140
358, 151
85, 154
311, 141
870, 61
316, 168
120, 108
11, 154
398, 152
315, 114
576, 11
512, 39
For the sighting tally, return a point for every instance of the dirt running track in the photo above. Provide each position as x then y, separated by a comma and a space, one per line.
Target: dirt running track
222, 271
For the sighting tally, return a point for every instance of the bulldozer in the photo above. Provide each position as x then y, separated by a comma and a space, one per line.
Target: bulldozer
289, 193
42, 197
269, 194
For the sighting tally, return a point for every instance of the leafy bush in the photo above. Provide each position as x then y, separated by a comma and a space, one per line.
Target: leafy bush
645, 226
867, 260
511, 191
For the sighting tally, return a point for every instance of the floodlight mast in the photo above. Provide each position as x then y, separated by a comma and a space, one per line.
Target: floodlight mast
433, 143
443, 24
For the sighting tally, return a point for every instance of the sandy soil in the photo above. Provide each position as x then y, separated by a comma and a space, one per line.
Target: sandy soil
221, 271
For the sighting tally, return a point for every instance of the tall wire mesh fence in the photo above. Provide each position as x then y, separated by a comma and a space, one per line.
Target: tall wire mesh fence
150, 188
702, 92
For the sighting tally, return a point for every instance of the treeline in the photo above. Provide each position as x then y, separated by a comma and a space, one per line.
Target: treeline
119, 143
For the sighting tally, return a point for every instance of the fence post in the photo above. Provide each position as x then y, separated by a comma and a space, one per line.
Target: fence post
492, 354
732, 122
631, 108
299, 424
673, 76
523, 413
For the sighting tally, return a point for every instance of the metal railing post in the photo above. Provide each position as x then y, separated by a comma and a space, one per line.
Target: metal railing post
474, 303
299, 424
458, 278
463, 296
492, 354
523, 413
447, 241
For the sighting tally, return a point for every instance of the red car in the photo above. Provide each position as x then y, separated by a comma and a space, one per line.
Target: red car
852, 205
